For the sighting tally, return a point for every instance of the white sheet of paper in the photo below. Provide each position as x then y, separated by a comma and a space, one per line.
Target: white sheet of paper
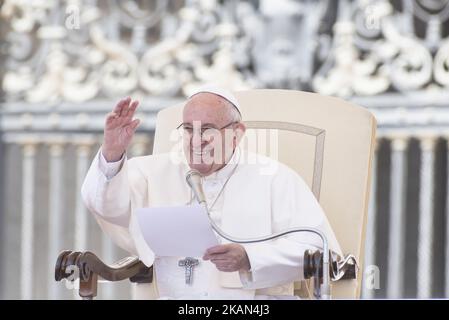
176, 231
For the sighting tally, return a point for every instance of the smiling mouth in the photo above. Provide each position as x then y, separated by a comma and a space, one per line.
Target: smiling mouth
201, 152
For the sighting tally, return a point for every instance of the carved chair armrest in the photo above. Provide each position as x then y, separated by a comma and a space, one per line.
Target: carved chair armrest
90, 267
341, 268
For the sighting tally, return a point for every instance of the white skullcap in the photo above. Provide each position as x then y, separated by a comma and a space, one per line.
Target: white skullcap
225, 94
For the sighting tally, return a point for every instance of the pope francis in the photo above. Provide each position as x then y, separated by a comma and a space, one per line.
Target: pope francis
243, 197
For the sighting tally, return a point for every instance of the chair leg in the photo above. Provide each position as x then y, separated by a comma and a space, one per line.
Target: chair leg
88, 287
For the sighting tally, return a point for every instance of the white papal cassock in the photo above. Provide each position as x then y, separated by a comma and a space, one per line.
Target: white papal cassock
262, 196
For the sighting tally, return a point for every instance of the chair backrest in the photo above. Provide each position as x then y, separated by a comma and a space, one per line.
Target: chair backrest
328, 141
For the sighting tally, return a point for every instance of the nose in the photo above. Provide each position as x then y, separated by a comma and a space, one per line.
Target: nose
197, 140
202, 138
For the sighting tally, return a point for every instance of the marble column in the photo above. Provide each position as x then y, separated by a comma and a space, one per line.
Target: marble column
55, 215
425, 228
82, 164
27, 233
397, 224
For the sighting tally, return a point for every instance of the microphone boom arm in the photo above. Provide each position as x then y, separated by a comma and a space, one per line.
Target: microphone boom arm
193, 179
325, 287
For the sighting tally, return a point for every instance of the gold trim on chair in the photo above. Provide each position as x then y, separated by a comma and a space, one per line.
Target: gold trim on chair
319, 135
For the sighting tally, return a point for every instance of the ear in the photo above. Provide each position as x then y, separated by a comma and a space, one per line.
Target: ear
239, 132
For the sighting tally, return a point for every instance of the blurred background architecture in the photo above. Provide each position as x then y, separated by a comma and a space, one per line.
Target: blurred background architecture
64, 64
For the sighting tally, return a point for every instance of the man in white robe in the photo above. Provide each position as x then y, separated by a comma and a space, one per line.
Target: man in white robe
248, 195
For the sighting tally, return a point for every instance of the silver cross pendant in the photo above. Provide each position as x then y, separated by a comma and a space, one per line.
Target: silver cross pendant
188, 263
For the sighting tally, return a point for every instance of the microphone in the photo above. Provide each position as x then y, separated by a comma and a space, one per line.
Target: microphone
193, 179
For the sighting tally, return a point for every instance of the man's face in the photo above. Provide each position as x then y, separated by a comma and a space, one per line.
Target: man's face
208, 146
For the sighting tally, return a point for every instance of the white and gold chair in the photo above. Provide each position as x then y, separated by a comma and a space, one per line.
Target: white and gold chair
328, 141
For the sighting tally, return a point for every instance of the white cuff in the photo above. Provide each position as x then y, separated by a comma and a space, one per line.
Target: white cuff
110, 169
246, 277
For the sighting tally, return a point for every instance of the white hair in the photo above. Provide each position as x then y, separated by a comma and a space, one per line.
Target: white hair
232, 112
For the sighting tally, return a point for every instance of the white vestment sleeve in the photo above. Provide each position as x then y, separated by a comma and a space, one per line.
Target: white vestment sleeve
110, 169
110, 199
280, 261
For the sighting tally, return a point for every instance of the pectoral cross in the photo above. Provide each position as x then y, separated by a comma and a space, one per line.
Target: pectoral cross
188, 263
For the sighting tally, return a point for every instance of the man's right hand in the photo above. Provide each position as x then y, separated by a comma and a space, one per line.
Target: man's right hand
119, 129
